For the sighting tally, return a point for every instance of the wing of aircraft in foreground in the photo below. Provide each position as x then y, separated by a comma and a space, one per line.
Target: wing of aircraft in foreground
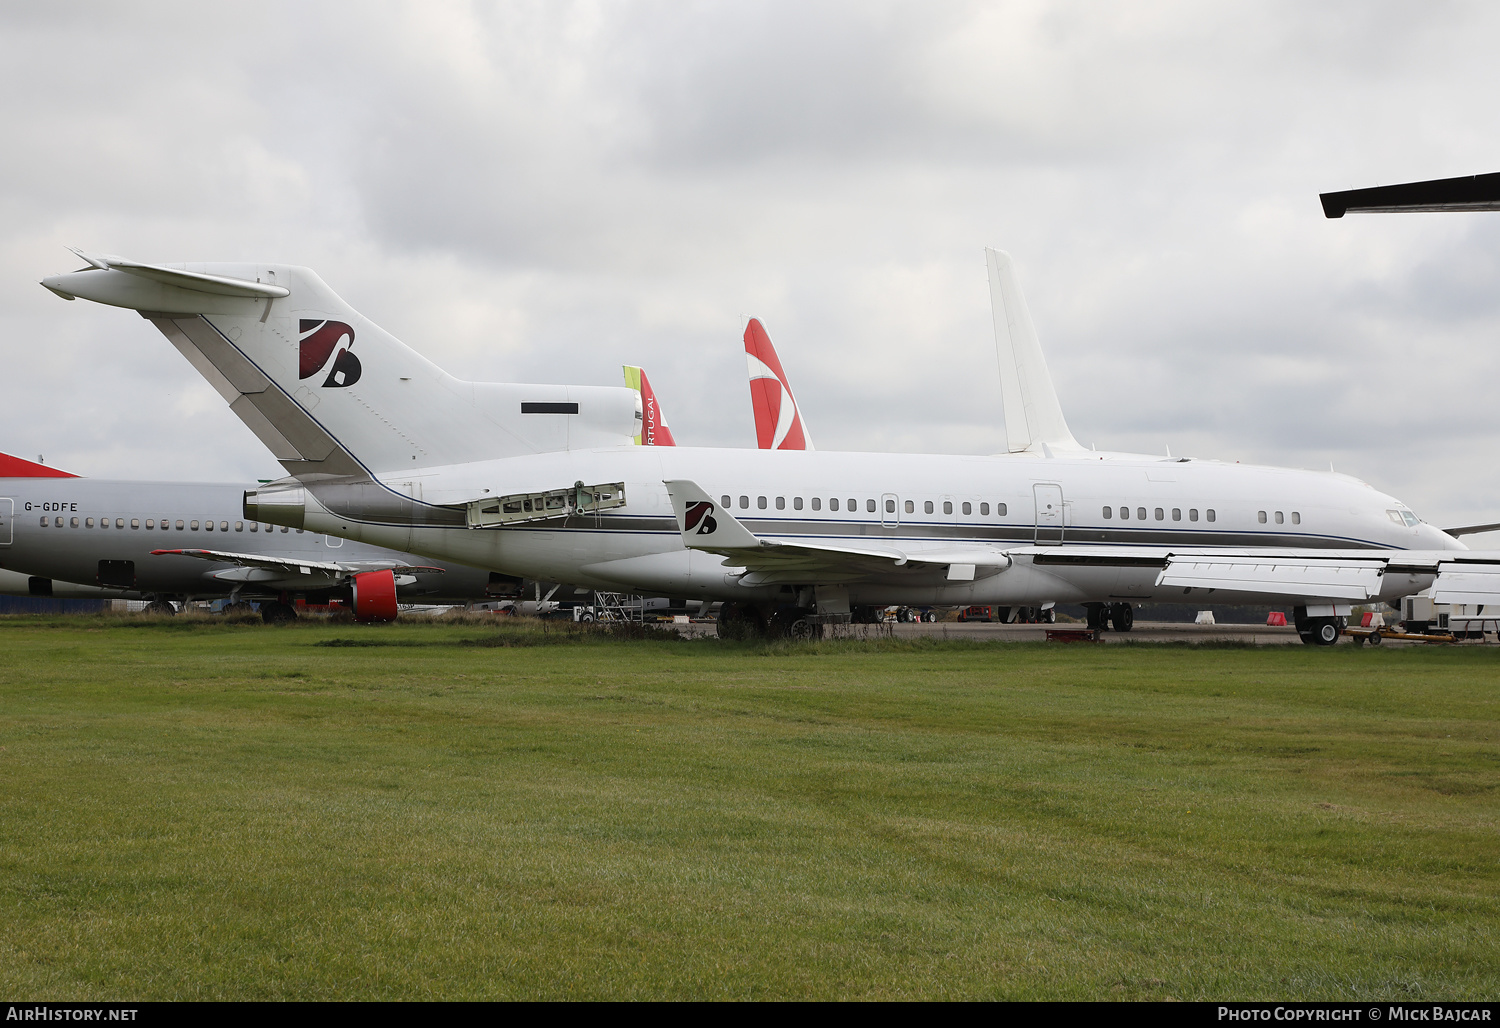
778, 419
653, 428
1465, 193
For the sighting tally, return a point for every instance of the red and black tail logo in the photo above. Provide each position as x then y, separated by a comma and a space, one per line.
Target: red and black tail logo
699, 516
319, 340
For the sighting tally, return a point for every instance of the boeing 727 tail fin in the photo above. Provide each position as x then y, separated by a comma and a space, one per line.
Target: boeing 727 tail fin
328, 391
1033, 417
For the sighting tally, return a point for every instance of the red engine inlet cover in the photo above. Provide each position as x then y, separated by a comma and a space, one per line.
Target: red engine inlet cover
375, 596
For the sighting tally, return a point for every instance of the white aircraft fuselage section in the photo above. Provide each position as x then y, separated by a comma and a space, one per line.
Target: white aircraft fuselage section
989, 501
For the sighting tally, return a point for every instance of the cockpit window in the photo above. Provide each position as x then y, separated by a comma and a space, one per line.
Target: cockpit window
1395, 515
1411, 519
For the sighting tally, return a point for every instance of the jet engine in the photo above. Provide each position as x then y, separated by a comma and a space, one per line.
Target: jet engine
374, 596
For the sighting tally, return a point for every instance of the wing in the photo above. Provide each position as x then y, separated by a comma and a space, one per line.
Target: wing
289, 566
705, 525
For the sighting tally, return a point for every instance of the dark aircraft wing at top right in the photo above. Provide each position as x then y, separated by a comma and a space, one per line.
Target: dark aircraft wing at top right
1467, 193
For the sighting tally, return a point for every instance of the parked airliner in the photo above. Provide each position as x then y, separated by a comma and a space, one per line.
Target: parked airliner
61, 535
545, 481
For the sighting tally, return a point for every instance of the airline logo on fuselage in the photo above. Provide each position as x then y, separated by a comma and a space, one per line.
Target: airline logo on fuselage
699, 518
319, 340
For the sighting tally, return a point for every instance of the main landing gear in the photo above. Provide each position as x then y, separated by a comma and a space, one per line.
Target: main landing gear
745, 621
1321, 631
276, 612
1102, 615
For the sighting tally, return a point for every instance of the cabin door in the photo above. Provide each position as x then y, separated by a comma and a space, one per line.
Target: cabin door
1049, 514
7, 515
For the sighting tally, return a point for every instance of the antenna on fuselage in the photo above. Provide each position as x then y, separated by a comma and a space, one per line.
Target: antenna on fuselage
1033, 417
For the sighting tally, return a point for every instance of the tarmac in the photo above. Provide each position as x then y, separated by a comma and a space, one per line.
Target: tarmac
1142, 632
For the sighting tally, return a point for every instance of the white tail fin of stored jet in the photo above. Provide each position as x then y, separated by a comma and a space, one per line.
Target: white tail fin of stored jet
329, 391
1033, 417
778, 419
652, 429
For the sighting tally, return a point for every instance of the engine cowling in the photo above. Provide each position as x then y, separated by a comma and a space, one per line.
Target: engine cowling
374, 596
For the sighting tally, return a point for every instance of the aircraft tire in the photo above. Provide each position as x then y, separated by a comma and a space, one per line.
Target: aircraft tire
1325, 631
163, 607
1122, 616
277, 613
741, 621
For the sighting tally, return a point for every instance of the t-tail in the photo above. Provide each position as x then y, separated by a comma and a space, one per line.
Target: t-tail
778, 419
327, 390
652, 427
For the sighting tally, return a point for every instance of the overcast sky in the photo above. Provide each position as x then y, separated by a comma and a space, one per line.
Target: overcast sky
543, 192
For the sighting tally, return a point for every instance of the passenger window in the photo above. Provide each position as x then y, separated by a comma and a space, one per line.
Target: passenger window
1280, 518
1260, 516
150, 523
947, 506
1109, 512
73, 522
1176, 513
1296, 518
744, 503
760, 502
1000, 509
911, 508
1124, 513
254, 526
796, 503
890, 506
119, 522
135, 522
179, 526
88, 522
927, 507
58, 522
1210, 513
1140, 513
1192, 513
870, 506
1160, 514
854, 505
725, 502
817, 503
239, 526
833, 503
968, 507
283, 528
781, 503
984, 510
208, 526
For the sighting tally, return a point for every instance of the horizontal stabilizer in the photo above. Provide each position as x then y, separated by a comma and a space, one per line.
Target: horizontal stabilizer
197, 281
1472, 529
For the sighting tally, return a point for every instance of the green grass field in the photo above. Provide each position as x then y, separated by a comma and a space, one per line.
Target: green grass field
198, 810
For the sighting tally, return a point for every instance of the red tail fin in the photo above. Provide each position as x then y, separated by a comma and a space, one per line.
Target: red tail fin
654, 430
778, 422
15, 467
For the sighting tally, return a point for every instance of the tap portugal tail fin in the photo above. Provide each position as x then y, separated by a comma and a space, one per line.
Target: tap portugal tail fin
327, 390
652, 430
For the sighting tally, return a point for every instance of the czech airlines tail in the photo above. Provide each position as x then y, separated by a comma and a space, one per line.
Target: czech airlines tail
17, 467
653, 427
778, 419
1033, 418
319, 383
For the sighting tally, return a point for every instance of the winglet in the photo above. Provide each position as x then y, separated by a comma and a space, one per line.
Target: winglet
1033, 417
704, 522
778, 419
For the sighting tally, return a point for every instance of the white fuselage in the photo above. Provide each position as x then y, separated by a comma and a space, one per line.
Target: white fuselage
919, 502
